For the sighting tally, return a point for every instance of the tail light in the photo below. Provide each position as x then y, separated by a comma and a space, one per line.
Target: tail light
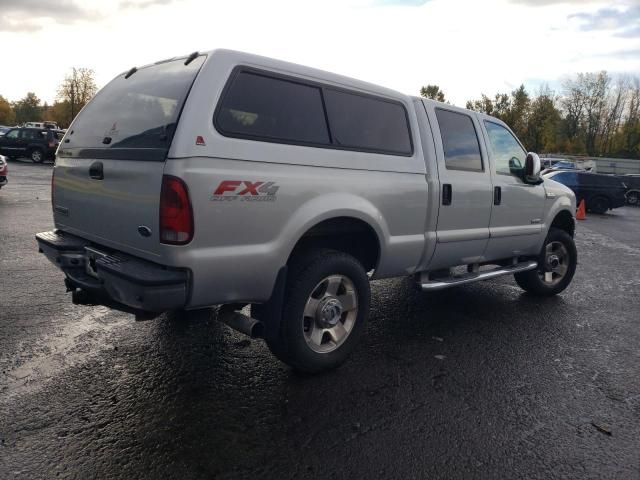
52, 144
176, 214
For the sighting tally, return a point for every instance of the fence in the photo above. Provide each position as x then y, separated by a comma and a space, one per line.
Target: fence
619, 166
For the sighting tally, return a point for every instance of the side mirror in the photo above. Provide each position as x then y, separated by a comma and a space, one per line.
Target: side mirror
532, 168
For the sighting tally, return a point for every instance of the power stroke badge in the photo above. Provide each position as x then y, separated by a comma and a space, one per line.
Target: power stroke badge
245, 191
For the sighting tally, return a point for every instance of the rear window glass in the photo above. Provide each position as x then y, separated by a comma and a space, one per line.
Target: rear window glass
139, 112
272, 108
459, 140
566, 178
367, 123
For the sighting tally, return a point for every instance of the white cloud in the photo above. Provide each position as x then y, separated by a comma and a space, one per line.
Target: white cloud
467, 47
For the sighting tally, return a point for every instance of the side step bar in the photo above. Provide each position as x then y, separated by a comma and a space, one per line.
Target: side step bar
441, 283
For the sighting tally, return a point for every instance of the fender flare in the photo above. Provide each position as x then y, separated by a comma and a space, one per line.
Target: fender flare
315, 211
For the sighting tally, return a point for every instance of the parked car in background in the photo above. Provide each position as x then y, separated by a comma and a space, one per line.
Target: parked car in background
3, 171
38, 144
49, 125
553, 162
599, 191
632, 181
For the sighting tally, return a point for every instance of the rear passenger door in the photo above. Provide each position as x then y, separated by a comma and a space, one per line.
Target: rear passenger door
465, 188
517, 213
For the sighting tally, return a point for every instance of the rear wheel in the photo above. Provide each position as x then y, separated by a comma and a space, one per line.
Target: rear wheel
633, 198
598, 204
36, 155
556, 266
325, 310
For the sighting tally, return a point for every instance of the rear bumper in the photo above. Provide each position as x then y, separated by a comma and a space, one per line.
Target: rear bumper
113, 278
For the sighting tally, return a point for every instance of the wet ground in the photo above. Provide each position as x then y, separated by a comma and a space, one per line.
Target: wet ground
480, 381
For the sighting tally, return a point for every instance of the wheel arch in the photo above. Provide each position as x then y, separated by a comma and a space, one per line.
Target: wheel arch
632, 190
344, 233
564, 221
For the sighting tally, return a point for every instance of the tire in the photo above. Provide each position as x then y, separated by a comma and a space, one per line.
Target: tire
36, 155
598, 204
633, 198
558, 247
325, 310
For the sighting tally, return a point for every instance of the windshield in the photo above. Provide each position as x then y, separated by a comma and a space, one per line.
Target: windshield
130, 114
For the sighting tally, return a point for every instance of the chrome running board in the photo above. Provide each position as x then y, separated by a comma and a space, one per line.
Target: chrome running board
453, 281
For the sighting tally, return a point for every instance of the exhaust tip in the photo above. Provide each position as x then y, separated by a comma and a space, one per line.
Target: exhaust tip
241, 322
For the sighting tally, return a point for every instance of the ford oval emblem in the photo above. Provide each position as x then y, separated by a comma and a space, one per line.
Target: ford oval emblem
144, 231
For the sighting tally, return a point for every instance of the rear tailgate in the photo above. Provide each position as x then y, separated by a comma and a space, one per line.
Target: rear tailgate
109, 167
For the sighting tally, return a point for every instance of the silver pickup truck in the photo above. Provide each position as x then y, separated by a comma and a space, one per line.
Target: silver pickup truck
228, 179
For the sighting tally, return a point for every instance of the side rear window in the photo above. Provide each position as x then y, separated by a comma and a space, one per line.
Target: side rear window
367, 123
33, 134
270, 108
459, 140
570, 179
259, 106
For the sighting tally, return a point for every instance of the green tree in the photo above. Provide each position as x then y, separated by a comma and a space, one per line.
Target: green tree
433, 92
59, 113
543, 123
484, 105
7, 115
517, 111
27, 109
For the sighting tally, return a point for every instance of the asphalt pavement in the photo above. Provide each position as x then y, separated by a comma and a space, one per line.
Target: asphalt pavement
481, 381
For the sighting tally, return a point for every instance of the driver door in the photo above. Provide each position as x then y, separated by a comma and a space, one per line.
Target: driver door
517, 211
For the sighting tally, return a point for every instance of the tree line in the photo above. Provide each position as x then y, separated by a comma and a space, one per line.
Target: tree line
594, 114
77, 88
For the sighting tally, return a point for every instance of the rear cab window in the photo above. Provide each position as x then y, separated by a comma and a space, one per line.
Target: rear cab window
134, 118
258, 105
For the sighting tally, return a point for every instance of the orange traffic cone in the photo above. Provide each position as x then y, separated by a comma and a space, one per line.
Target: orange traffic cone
581, 214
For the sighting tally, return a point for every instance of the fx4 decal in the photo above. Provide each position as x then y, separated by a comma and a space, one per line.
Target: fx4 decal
245, 191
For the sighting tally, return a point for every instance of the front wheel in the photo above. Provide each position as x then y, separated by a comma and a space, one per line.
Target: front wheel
36, 155
556, 266
325, 310
633, 198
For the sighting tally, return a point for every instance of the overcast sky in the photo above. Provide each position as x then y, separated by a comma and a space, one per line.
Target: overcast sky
468, 47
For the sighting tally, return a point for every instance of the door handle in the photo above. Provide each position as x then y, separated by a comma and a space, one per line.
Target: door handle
95, 171
447, 194
497, 195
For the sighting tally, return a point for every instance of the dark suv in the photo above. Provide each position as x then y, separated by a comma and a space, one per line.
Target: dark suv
38, 144
599, 191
